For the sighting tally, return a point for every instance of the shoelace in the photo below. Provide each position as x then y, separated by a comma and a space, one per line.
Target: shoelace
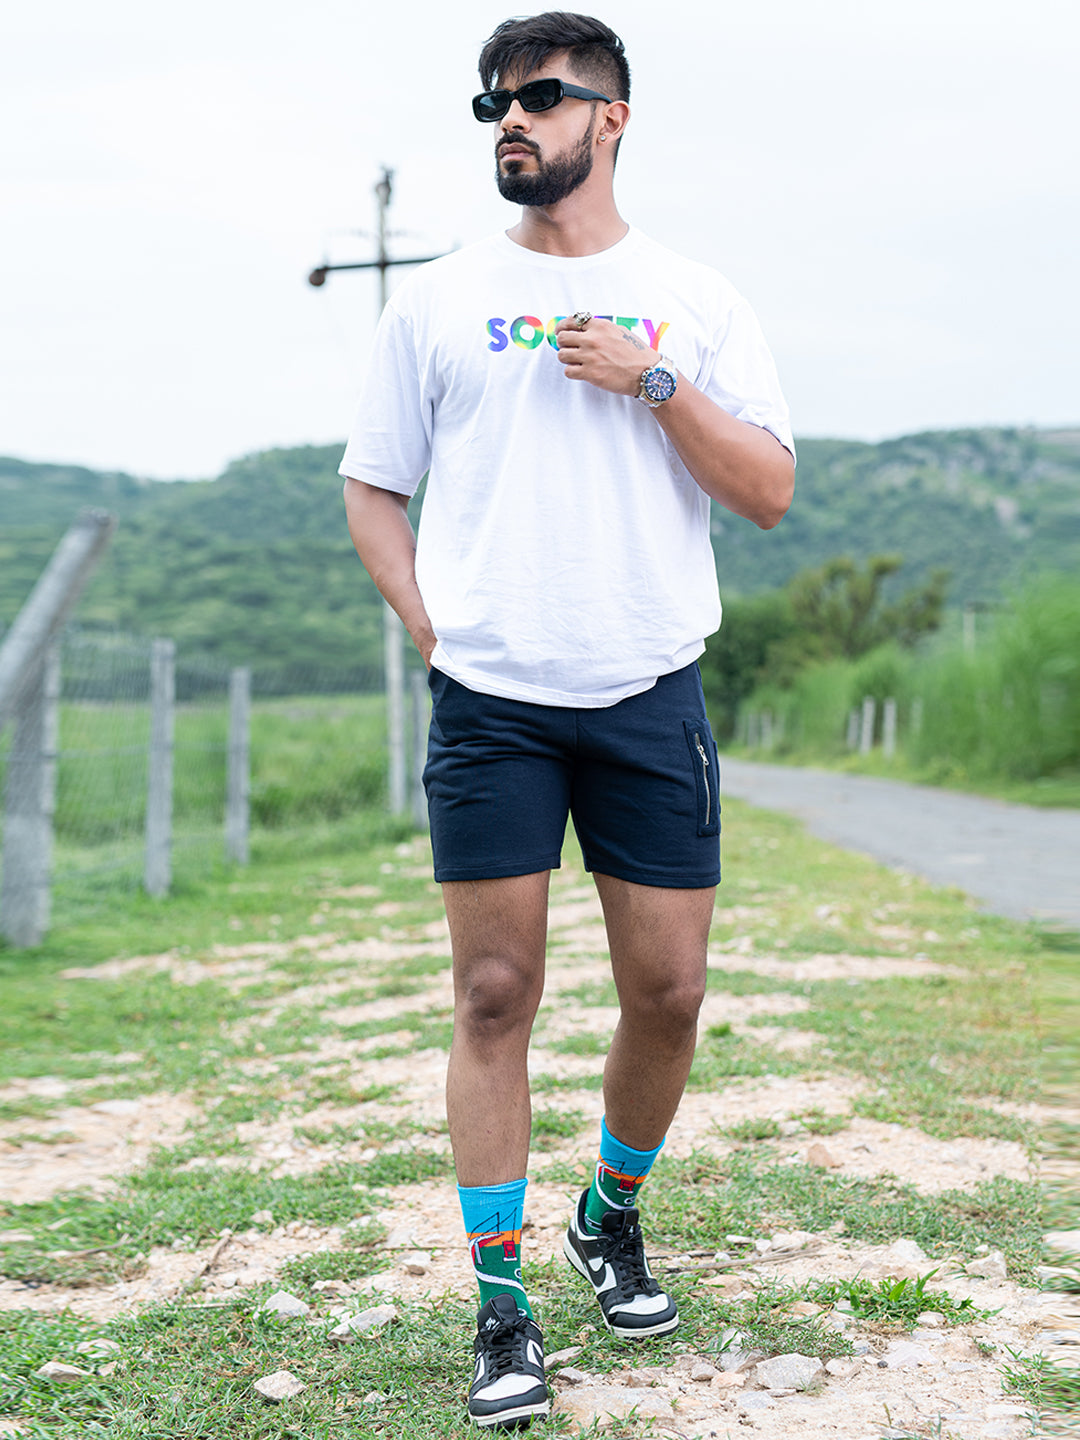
506, 1348
624, 1252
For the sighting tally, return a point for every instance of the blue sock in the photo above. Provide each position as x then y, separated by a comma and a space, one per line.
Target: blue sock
620, 1173
492, 1215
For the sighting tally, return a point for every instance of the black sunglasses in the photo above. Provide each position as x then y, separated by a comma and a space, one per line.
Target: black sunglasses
536, 95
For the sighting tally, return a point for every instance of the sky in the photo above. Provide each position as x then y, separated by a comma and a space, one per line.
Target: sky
894, 187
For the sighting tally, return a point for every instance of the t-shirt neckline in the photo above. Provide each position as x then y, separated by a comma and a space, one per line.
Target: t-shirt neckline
524, 255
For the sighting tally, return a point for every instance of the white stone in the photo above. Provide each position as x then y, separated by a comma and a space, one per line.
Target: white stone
416, 1262
561, 1357
792, 1239
841, 1368
97, 1347
363, 1323
902, 1355
61, 1374
931, 1320
262, 1217
794, 1370
702, 1373
1063, 1242
281, 1385
991, 1267
600, 1404
289, 1307
571, 1376
755, 1400
117, 1107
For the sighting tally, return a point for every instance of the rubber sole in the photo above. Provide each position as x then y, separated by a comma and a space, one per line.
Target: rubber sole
638, 1332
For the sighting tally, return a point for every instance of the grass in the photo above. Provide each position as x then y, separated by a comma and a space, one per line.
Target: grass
939, 1051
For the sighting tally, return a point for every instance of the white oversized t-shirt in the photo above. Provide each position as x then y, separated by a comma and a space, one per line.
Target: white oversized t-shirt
563, 551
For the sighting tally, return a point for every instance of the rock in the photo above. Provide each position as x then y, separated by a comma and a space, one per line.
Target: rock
990, 1267
805, 1308
702, 1373
97, 1348
792, 1239
600, 1405
117, 1107
289, 1307
416, 1262
571, 1376
262, 1217
1063, 1242
931, 1320
738, 1240
903, 1260
281, 1385
794, 1370
841, 1368
755, 1400
366, 1321
560, 1357
16, 1237
61, 1374
400, 1238
330, 1287
728, 1380
728, 1285
821, 1157
903, 1355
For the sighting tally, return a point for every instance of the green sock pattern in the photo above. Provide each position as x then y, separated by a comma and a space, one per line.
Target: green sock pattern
496, 1257
609, 1191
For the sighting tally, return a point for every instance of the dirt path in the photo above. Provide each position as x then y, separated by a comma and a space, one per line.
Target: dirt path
941, 1380
1018, 860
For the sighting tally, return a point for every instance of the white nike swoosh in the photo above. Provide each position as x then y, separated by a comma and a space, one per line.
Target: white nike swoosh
534, 1353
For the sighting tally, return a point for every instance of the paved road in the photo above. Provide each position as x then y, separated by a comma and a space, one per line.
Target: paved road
1016, 860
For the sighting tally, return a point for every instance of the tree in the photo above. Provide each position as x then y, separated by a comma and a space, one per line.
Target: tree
841, 612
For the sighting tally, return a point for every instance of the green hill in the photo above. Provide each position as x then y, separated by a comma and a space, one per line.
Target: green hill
257, 566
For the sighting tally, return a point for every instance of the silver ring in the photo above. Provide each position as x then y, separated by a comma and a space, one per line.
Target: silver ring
581, 319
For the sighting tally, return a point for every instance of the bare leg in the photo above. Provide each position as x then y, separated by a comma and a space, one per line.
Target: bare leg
658, 940
498, 929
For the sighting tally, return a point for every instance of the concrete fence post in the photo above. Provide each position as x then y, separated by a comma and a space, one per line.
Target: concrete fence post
157, 874
238, 767
866, 729
29, 804
419, 748
888, 729
853, 730
48, 606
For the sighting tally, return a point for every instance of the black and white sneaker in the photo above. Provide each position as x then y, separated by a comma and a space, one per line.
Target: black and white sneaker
614, 1264
508, 1388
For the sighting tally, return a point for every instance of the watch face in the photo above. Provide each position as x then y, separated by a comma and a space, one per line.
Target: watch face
658, 384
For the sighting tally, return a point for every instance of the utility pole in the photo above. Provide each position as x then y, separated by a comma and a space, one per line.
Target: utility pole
393, 630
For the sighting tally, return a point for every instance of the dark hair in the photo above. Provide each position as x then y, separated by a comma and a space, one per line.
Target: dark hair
595, 52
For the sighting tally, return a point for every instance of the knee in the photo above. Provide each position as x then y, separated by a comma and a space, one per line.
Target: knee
672, 1005
495, 997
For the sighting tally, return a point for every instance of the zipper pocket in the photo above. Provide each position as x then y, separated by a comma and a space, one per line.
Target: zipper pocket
704, 776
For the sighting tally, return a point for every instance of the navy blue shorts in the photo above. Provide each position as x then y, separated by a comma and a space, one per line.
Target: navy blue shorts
641, 780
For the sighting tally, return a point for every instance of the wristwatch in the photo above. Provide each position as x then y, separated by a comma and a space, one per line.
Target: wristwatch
658, 383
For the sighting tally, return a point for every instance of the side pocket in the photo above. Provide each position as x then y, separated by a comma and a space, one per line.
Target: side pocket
706, 767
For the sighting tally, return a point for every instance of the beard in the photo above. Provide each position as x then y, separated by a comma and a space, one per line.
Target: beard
552, 180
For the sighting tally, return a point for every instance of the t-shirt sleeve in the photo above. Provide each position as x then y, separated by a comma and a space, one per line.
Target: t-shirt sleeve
739, 374
390, 442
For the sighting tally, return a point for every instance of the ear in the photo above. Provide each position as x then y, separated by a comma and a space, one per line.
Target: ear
614, 119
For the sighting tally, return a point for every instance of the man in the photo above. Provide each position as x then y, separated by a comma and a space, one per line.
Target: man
578, 394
